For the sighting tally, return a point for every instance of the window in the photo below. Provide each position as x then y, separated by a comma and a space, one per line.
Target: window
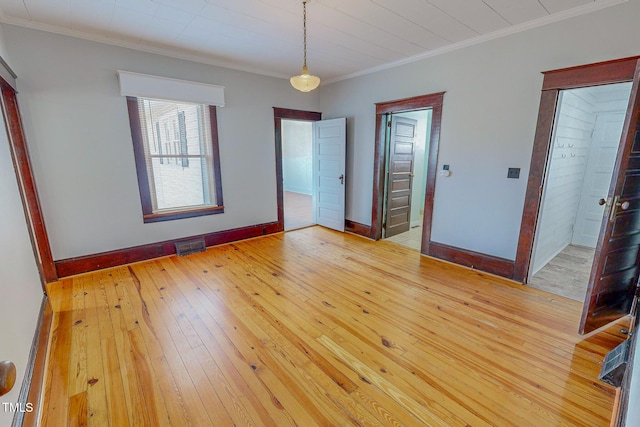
177, 160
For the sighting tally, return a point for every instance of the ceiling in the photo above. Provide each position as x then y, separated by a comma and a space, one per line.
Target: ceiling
345, 37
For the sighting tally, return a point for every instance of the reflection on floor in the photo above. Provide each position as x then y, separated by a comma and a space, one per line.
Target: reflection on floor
411, 239
567, 274
298, 210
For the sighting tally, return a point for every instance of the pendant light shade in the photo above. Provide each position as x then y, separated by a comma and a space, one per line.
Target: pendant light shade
305, 82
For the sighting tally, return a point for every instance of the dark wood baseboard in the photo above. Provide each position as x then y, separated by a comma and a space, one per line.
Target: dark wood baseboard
84, 264
488, 263
357, 228
31, 391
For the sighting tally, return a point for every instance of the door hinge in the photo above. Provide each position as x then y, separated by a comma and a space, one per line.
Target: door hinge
389, 124
384, 225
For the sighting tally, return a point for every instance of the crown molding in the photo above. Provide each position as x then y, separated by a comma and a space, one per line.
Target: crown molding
208, 60
172, 53
525, 26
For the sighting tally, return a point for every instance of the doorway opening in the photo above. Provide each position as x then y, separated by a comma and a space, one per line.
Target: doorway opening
406, 152
584, 144
293, 122
385, 112
613, 281
297, 173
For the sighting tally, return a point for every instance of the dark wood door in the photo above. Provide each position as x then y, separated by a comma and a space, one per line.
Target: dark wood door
401, 159
614, 275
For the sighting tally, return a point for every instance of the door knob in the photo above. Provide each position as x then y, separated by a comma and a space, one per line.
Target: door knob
7, 376
618, 204
601, 202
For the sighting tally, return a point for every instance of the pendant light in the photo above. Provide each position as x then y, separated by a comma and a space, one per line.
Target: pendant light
305, 82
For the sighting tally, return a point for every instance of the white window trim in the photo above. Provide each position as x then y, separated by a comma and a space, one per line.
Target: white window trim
156, 87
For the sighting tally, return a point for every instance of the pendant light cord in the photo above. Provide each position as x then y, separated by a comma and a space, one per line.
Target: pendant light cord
304, 29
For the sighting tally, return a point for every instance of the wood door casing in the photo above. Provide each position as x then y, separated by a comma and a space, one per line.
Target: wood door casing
433, 101
27, 185
616, 71
400, 177
278, 115
614, 275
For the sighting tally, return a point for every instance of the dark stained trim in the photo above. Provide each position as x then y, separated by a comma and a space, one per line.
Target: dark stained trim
379, 169
287, 113
26, 185
488, 263
215, 152
409, 104
7, 74
278, 115
83, 264
186, 213
423, 102
143, 179
432, 170
616, 71
138, 151
357, 228
537, 171
33, 383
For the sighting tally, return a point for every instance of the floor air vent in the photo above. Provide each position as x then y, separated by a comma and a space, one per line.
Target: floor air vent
615, 363
188, 247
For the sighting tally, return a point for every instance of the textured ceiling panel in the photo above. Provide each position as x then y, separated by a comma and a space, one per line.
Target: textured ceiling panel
345, 37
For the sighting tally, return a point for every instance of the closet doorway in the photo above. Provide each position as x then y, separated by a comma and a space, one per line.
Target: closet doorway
613, 281
585, 140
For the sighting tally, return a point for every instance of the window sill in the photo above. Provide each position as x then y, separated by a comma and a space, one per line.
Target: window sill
191, 213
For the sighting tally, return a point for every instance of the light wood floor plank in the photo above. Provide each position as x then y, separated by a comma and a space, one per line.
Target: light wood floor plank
315, 327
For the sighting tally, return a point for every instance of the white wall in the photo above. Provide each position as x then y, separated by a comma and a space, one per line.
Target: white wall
78, 132
20, 289
566, 174
488, 122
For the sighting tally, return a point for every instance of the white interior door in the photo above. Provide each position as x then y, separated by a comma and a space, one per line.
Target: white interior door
602, 156
329, 152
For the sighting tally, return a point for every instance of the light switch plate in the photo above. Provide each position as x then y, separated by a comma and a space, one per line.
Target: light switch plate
513, 173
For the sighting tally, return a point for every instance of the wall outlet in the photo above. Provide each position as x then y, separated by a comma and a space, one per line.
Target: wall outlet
513, 173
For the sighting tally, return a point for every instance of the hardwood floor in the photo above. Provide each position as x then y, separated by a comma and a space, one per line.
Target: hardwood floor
298, 210
567, 274
315, 327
